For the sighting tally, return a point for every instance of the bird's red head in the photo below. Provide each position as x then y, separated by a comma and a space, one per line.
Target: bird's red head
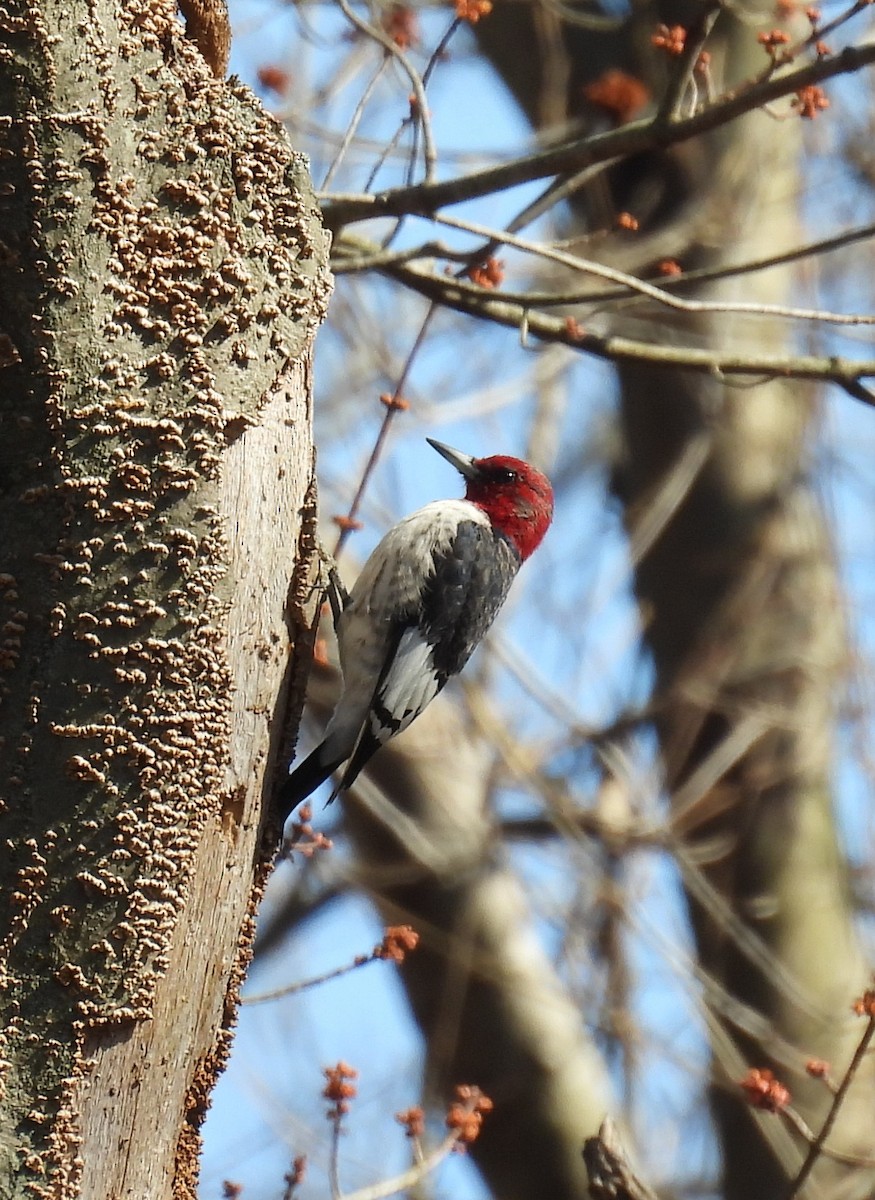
517, 499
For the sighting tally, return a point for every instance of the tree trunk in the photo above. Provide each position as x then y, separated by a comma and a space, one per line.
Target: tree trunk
165, 271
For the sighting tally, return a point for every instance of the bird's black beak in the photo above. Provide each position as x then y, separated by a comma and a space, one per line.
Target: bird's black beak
465, 464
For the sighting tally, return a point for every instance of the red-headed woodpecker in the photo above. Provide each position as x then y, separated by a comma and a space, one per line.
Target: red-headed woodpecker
420, 606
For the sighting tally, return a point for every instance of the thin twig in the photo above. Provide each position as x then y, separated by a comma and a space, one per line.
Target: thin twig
816, 1147
749, 944
817, 34
697, 35
476, 302
429, 150
353, 254
856, 389
392, 407
438, 53
435, 58
409, 1178
387, 150
559, 190
372, 260
354, 122
334, 1161
498, 238
292, 989
802, 1127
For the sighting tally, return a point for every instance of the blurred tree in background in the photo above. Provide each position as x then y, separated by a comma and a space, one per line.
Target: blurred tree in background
619, 838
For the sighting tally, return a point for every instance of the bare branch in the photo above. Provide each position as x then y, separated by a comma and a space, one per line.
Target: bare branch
816, 1148
670, 109
610, 1173
847, 373
578, 153
497, 238
383, 39
409, 1178
354, 255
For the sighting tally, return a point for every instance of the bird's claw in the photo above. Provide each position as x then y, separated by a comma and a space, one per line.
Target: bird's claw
332, 585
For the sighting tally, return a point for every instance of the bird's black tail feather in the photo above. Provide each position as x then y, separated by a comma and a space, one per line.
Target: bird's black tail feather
314, 770
366, 747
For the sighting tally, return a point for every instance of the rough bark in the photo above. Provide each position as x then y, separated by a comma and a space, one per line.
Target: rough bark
164, 275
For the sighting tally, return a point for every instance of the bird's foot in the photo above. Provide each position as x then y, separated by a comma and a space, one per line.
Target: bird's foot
332, 584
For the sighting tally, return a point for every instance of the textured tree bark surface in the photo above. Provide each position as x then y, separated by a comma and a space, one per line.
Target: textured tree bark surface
164, 274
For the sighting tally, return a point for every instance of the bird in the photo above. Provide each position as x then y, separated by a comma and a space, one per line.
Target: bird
420, 606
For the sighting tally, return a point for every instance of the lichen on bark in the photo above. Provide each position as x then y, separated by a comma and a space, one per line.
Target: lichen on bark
165, 273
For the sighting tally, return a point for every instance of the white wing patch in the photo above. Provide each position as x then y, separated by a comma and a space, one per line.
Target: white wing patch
410, 685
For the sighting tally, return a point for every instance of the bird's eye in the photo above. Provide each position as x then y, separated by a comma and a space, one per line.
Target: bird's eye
507, 476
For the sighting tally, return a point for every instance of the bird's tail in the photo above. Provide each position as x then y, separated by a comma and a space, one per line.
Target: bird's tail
305, 778
365, 748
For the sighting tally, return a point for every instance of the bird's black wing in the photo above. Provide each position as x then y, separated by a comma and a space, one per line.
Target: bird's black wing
469, 585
